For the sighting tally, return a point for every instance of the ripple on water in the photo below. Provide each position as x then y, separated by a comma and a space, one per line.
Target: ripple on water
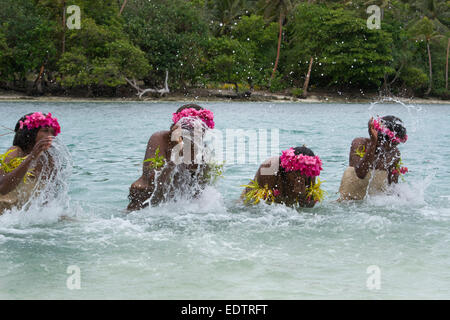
215, 247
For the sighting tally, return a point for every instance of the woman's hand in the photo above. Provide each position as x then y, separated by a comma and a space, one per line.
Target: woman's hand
373, 133
41, 146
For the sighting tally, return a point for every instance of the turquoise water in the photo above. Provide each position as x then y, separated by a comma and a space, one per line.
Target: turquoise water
213, 247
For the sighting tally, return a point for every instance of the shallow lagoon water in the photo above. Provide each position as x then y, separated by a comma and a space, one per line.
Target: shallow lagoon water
215, 248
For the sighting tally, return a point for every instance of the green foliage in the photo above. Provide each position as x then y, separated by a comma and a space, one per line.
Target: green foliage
423, 29
345, 51
415, 78
272, 9
157, 161
229, 60
277, 83
442, 93
100, 55
75, 68
297, 92
29, 37
214, 171
6, 59
261, 40
227, 41
225, 14
173, 35
129, 59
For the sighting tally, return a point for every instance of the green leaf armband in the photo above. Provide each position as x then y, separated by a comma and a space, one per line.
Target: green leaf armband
157, 161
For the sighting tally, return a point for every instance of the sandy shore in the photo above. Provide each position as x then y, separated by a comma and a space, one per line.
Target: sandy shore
226, 96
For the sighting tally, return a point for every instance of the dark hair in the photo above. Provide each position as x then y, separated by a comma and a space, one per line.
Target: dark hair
395, 125
282, 174
25, 138
187, 106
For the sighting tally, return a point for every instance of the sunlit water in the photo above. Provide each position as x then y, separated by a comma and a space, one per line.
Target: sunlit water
213, 247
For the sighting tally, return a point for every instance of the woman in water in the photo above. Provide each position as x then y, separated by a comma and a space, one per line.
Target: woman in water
374, 162
22, 164
168, 168
289, 179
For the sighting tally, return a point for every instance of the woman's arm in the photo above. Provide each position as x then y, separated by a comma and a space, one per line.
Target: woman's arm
142, 189
362, 165
393, 177
9, 181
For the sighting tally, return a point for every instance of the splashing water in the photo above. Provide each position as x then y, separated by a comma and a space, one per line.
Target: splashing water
187, 173
211, 246
49, 200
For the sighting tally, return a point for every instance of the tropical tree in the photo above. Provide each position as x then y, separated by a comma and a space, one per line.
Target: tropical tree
446, 65
29, 37
226, 13
424, 30
436, 11
259, 37
173, 36
100, 55
5, 58
230, 61
277, 10
343, 49
123, 6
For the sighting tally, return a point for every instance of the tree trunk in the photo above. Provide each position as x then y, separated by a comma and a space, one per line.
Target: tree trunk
38, 82
123, 7
236, 87
446, 66
308, 76
431, 69
397, 73
63, 49
385, 85
279, 47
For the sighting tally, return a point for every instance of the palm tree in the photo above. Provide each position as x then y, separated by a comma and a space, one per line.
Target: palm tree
277, 9
424, 30
433, 10
123, 6
446, 65
227, 12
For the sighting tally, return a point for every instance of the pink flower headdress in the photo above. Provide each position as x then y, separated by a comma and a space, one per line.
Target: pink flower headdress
205, 115
39, 120
307, 165
382, 129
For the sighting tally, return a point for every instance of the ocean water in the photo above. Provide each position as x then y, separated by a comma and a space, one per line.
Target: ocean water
214, 247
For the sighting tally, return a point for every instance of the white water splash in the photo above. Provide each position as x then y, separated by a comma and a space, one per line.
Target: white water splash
49, 201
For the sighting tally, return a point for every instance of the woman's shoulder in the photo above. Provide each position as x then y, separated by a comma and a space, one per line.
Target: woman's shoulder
270, 162
159, 138
160, 134
270, 166
13, 152
359, 142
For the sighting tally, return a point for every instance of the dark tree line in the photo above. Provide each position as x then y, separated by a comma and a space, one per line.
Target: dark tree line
261, 44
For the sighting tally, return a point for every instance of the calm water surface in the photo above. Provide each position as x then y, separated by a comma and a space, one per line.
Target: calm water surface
213, 247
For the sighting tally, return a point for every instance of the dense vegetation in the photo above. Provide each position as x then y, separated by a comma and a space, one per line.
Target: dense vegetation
274, 45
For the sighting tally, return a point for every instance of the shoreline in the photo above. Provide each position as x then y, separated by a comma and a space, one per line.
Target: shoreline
225, 96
